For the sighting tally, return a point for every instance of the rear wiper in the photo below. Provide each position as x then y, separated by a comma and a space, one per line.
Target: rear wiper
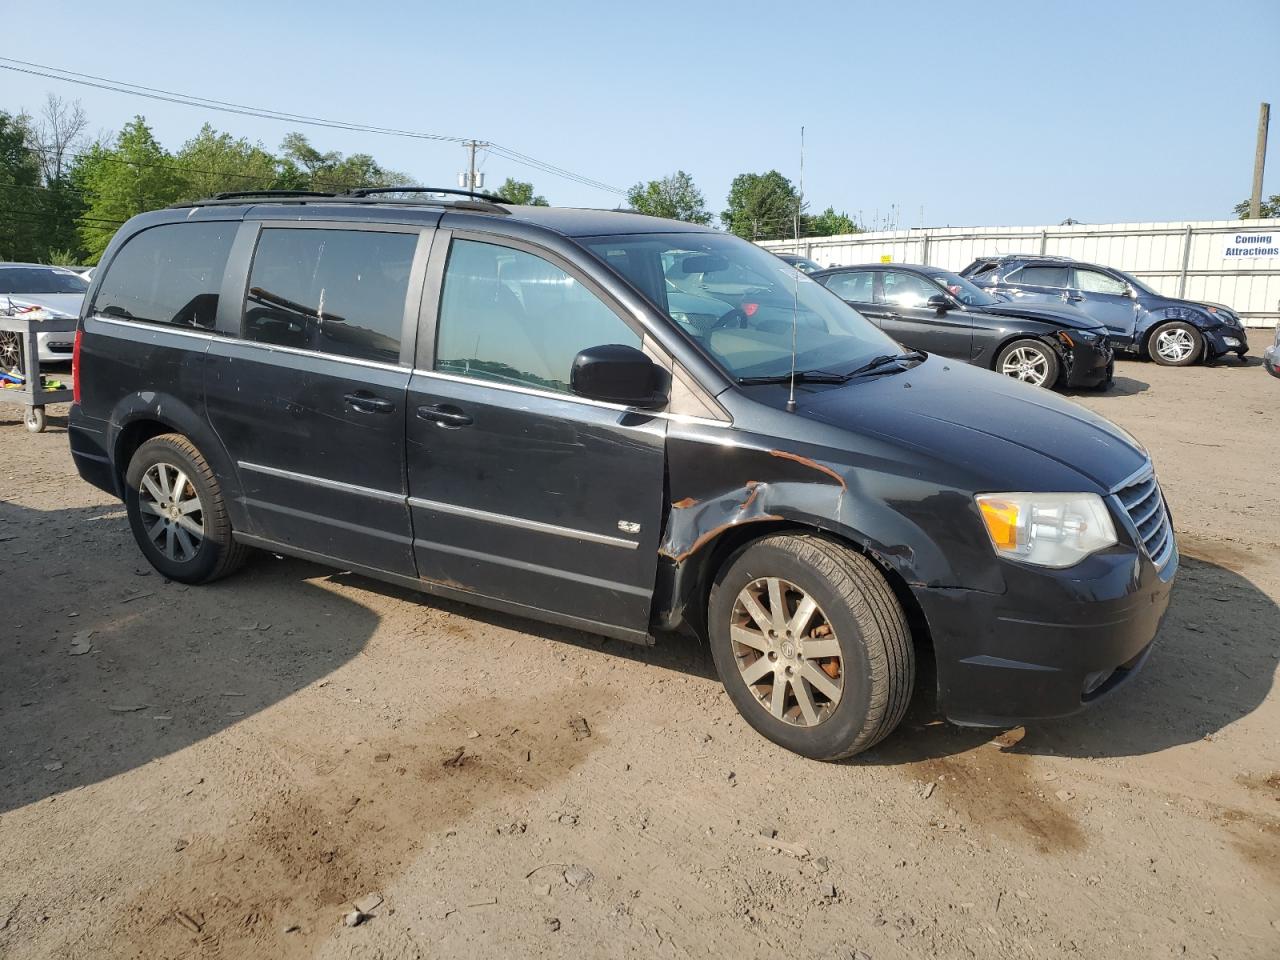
802, 376
877, 363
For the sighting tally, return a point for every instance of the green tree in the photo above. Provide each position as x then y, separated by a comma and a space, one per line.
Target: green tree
213, 162
761, 206
331, 171
828, 223
521, 192
675, 197
124, 179
20, 197
1270, 207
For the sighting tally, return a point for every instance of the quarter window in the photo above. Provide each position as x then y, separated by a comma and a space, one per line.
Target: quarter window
168, 274
1094, 281
510, 316
1039, 277
333, 291
852, 286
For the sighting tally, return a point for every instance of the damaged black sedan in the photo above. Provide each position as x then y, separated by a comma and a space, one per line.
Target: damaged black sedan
622, 424
1045, 345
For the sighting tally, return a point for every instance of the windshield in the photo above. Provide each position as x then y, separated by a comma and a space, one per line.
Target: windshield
1136, 283
737, 301
41, 280
962, 289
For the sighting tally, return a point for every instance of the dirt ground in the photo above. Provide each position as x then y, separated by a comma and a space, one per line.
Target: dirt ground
220, 771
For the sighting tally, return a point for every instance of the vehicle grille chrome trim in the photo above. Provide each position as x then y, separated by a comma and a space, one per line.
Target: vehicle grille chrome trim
536, 526
1142, 503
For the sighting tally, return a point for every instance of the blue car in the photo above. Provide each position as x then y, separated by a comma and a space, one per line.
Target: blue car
1173, 332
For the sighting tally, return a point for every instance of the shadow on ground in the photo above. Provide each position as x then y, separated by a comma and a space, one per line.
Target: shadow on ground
107, 667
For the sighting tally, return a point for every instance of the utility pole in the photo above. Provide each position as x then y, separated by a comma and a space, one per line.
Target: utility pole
469, 179
1259, 160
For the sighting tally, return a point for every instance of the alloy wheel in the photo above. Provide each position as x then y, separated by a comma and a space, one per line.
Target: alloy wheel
10, 351
1026, 364
1174, 345
787, 652
172, 513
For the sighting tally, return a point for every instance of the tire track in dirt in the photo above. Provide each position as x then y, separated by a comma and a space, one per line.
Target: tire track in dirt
344, 820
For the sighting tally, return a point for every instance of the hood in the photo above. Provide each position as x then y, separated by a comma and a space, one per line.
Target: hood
1006, 435
64, 304
1064, 315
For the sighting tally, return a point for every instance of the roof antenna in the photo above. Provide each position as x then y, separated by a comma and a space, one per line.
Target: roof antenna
795, 301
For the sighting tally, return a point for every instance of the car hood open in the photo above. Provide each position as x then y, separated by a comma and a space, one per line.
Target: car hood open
1000, 430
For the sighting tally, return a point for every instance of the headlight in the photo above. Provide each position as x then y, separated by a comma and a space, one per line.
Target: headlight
1047, 529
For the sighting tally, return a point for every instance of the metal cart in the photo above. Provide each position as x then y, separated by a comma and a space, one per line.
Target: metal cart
32, 392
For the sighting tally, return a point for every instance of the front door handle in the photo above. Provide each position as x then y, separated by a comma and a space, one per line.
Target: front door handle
1072, 296
444, 415
366, 402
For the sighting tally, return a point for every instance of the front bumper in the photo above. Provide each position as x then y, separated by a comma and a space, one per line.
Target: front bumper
1088, 364
1052, 643
1226, 340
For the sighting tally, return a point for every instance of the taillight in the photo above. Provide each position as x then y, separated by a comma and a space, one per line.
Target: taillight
75, 368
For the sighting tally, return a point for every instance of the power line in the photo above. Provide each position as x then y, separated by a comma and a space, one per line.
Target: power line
190, 100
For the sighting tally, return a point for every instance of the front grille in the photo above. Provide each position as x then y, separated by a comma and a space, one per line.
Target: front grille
1144, 504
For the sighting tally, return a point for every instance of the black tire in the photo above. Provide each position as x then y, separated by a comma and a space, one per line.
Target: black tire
1160, 345
217, 553
877, 661
11, 358
1048, 366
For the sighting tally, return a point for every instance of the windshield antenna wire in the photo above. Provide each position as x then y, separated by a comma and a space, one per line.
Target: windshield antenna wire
795, 302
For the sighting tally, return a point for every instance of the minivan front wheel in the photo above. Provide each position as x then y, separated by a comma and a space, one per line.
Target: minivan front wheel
811, 645
177, 514
1176, 344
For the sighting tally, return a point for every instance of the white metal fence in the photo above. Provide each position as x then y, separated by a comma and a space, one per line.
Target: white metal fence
1181, 259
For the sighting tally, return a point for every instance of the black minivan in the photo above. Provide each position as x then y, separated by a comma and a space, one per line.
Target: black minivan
501, 404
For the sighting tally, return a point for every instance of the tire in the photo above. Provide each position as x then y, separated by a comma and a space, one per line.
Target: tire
35, 420
1175, 344
858, 623
11, 358
1029, 361
156, 470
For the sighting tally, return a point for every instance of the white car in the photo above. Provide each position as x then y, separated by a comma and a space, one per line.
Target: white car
46, 292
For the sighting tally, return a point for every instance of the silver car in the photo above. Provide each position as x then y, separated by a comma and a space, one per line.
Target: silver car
43, 291
1271, 355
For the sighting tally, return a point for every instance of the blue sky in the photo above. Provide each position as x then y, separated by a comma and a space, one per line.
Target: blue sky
981, 114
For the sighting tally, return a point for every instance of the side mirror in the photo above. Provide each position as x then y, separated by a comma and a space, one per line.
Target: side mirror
618, 374
938, 302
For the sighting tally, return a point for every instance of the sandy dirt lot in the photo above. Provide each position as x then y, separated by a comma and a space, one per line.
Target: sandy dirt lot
221, 771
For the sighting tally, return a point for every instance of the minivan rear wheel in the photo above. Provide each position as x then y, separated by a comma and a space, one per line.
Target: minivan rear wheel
177, 513
811, 645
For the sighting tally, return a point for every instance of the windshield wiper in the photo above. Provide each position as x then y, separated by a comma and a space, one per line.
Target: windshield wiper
878, 364
802, 376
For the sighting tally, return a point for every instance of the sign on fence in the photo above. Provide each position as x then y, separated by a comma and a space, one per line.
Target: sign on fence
1251, 245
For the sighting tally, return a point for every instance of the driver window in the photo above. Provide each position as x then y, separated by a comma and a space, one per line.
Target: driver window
1092, 281
905, 289
511, 316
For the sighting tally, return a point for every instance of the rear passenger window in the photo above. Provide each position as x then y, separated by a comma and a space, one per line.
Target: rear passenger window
333, 291
1039, 277
168, 274
510, 316
851, 286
